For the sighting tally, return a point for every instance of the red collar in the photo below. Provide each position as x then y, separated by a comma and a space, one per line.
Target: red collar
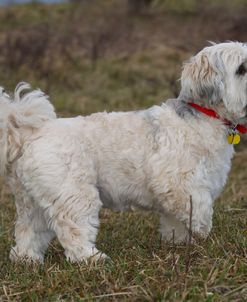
212, 113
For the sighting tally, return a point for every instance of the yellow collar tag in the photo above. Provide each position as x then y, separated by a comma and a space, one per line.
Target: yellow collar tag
233, 139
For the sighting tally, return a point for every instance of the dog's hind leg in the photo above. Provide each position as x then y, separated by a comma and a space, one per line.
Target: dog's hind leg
32, 235
74, 219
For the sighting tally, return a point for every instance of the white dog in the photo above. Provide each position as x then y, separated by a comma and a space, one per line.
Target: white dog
62, 171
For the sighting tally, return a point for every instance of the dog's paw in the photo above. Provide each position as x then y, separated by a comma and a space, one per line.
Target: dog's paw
29, 256
177, 239
201, 230
92, 256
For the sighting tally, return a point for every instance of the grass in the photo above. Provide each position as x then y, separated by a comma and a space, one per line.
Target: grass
73, 53
142, 268
87, 66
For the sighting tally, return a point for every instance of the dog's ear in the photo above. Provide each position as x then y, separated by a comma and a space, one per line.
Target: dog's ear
201, 80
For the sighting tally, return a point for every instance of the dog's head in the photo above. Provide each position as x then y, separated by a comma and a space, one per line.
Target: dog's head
217, 77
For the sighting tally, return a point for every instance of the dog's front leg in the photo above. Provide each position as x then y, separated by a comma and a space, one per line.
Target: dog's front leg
173, 230
200, 207
193, 211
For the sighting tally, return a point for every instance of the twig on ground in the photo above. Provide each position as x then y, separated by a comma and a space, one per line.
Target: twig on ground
174, 262
189, 243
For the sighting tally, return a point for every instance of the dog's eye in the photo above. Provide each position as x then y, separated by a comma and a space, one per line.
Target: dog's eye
241, 70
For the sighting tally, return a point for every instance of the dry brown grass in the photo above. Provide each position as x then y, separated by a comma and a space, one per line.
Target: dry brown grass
97, 57
142, 269
68, 49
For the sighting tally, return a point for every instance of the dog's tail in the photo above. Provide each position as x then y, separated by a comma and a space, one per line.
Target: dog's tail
25, 111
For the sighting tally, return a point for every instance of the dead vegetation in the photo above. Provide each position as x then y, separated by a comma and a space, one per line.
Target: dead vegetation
60, 46
102, 55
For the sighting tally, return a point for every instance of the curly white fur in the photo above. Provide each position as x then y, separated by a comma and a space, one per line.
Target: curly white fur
62, 171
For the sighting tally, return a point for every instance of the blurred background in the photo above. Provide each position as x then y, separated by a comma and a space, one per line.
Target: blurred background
92, 55
95, 55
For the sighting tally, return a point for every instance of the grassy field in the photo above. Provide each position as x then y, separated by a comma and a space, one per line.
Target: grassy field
100, 56
142, 268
